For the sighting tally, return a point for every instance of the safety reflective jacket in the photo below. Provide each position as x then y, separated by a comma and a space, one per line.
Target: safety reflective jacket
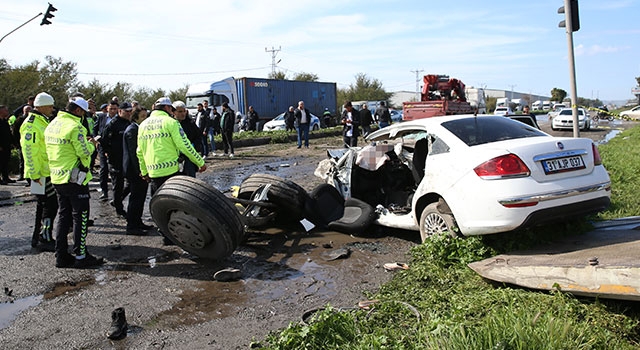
36, 162
160, 142
67, 148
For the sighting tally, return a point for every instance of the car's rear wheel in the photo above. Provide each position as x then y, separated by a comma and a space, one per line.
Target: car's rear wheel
316, 127
433, 222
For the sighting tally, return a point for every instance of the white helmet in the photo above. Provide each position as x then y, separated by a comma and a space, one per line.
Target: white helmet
43, 99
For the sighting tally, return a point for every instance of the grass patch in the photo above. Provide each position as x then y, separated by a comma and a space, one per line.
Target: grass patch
457, 309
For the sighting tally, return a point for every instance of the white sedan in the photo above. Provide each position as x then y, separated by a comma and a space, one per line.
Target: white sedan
633, 113
470, 175
564, 119
278, 123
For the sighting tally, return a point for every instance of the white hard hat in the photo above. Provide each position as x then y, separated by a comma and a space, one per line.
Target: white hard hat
43, 99
163, 101
81, 102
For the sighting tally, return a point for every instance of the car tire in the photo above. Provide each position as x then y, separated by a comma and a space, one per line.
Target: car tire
197, 217
286, 194
433, 222
316, 127
357, 217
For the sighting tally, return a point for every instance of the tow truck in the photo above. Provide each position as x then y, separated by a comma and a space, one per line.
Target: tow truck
440, 95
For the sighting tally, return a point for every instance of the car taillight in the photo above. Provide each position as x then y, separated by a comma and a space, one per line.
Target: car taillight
596, 155
508, 165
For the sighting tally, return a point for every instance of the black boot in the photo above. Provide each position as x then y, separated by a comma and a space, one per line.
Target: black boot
119, 325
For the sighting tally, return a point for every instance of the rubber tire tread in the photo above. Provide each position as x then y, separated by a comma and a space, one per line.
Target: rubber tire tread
288, 195
208, 204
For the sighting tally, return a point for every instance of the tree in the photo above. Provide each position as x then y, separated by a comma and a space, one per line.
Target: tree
365, 89
638, 81
280, 75
304, 76
490, 103
179, 94
558, 95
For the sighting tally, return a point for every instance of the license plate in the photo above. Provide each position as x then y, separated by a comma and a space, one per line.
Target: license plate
559, 165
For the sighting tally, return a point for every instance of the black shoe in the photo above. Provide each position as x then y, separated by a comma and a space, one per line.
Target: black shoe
136, 232
2, 182
144, 226
89, 261
65, 260
90, 222
47, 246
122, 213
119, 327
10, 181
103, 197
21, 178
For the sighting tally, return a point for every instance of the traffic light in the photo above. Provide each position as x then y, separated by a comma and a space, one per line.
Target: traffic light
48, 14
573, 12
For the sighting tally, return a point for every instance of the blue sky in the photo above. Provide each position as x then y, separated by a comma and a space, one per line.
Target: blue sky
496, 44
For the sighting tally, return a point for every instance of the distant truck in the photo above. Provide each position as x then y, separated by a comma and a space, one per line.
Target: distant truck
440, 96
269, 97
476, 98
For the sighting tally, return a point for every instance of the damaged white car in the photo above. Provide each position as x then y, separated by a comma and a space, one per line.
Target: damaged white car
471, 175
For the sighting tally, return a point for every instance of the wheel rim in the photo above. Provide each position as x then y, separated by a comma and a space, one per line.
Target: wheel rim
435, 224
188, 230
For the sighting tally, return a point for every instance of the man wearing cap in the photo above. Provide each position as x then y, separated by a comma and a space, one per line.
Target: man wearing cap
193, 134
37, 170
69, 151
112, 145
161, 140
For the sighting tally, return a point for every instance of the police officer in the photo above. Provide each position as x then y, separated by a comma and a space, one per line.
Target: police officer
69, 151
37, 170
161, 140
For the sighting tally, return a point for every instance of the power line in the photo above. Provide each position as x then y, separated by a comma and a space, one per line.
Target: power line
160, 74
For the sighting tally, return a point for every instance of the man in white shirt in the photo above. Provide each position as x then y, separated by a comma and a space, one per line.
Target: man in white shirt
302, 121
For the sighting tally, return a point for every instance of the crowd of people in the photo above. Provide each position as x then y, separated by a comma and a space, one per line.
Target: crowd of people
137, 150
58, 152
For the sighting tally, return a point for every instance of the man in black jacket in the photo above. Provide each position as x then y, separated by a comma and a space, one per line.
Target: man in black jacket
227, 121
103, 120
193, 134
366, 119
131, 170
112, 145
383, 117
303, 120
351, 125
253, 118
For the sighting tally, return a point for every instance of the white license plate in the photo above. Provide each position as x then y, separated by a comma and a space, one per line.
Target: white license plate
559, 165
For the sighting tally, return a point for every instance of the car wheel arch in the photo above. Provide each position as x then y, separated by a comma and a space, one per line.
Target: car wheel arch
424, 201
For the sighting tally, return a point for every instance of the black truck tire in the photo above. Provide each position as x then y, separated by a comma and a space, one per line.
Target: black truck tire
197, 217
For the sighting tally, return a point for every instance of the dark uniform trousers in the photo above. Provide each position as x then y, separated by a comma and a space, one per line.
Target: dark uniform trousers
46, 210
73, 209
138, 187
120, 191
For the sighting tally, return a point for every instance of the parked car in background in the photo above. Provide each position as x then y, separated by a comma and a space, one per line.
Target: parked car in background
633, 113
396, 115
472, 175
502, 110
564, 120
557, 107
278, 123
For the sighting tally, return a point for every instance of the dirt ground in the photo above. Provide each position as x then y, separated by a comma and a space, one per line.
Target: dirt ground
170, 297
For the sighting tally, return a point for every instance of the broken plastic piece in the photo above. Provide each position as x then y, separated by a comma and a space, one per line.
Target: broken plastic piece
396, 266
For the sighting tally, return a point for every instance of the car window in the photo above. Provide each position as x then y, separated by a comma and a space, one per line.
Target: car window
481, 130
570, 112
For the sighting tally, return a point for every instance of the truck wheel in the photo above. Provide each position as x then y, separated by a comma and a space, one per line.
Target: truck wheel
286, 194
197, 217
433, 222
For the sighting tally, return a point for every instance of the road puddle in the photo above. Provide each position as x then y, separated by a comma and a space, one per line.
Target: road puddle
10, 311
609, 136
66, 287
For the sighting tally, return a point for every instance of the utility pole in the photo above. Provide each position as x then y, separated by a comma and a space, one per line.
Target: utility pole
417, 71
273, 52
512, 86
571, 24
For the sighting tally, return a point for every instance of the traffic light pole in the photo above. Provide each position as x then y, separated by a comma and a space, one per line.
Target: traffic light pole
22, 25
572, 69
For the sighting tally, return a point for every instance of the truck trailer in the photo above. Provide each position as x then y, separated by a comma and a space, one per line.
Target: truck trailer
269, 97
